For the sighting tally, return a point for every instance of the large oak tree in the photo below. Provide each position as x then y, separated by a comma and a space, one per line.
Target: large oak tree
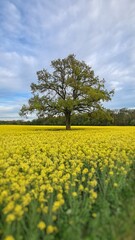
70, 87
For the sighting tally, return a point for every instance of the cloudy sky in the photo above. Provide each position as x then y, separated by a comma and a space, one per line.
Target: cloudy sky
34, 32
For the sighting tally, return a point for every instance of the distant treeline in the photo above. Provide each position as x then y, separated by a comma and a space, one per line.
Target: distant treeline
121, 117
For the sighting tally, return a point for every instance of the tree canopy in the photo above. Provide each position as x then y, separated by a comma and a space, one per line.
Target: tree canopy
71, 87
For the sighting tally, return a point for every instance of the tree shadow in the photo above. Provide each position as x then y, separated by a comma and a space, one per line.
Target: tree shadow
59, 129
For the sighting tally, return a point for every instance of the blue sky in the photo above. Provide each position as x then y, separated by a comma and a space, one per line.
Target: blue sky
34, 32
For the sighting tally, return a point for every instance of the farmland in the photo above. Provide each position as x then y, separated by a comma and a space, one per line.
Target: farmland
58, 184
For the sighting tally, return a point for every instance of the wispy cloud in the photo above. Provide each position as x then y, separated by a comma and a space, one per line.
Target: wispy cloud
34, 32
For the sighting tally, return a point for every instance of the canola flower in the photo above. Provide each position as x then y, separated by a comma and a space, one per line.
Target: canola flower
51, 229
43, 171
9, 237
41, 225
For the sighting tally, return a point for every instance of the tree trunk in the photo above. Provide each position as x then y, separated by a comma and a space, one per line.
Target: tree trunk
68, 118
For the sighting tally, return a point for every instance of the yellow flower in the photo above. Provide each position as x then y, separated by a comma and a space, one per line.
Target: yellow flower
93, 194
111, 173
94, 215
85, 170
59, 196
115, 185
56, 206
4, 194
41, 225
93, 183
9, 207
83, 179
18, 210
9, 237
36, 166
81, 187
45, 209
10, 217
51, 229
74, 194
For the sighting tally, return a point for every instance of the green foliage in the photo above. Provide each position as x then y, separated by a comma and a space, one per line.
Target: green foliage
70, 88
124, 117
101, 117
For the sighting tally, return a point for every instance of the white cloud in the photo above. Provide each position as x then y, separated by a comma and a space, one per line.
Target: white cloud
100, 32
16, 71
12, 18
7, 108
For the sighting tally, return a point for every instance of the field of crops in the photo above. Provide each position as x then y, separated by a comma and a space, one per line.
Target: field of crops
67, 185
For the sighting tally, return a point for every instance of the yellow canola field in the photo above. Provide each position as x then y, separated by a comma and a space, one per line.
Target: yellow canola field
52, 166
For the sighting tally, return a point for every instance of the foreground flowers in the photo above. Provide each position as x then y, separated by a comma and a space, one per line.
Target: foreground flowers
46, 174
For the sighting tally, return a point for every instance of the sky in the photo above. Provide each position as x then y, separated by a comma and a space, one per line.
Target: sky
35, 32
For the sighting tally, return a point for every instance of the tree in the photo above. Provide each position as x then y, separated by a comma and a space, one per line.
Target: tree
101, 117
70, 87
